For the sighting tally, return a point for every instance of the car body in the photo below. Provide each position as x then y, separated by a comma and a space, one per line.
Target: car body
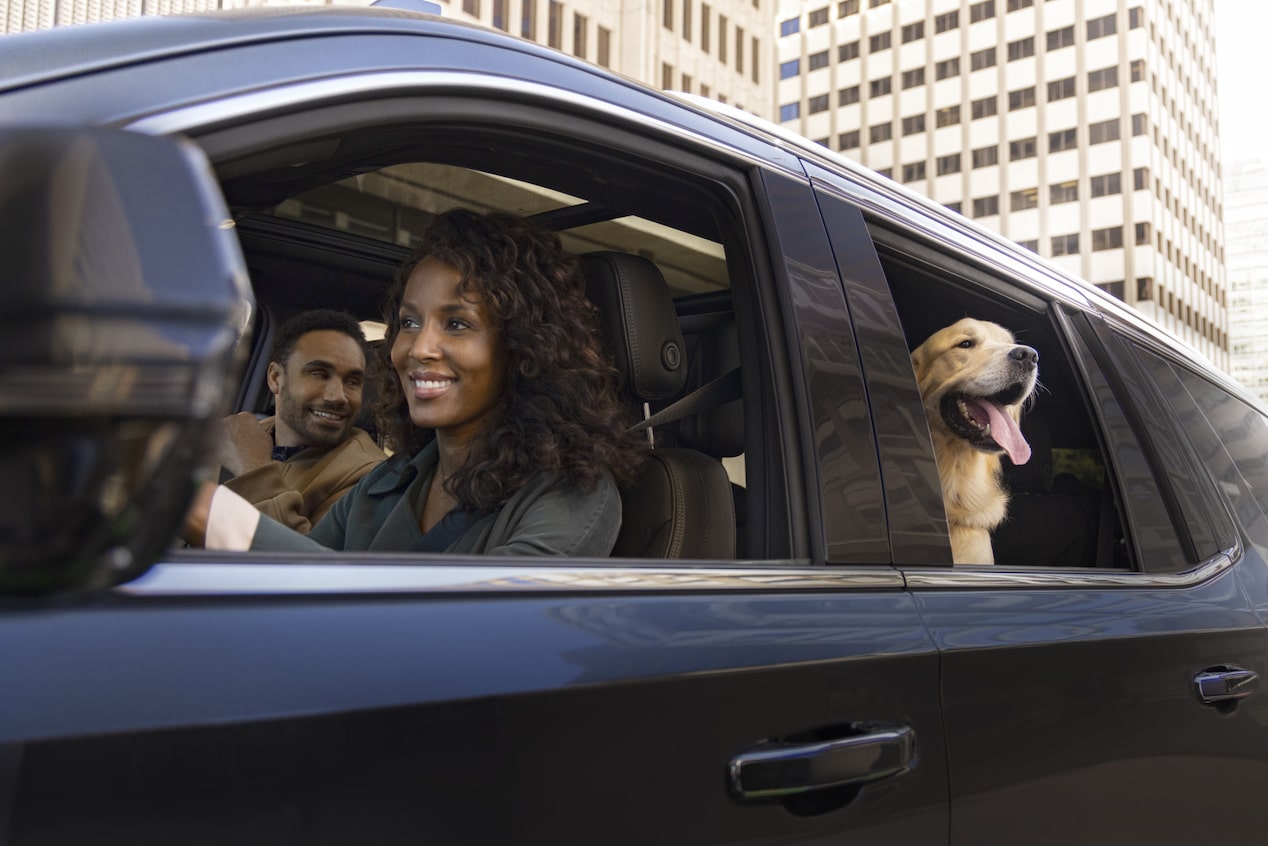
1095, 686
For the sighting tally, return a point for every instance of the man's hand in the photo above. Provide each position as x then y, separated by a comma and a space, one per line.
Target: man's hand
244, 445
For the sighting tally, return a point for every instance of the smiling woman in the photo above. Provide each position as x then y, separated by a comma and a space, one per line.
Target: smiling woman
500, 400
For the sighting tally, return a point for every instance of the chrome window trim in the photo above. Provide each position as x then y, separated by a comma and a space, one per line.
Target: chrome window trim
990, 577
308, 579
196, 118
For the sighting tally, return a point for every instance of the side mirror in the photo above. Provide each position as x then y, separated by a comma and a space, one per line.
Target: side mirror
122, 314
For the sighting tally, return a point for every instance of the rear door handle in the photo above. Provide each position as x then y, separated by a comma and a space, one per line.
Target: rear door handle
776, 769
1225, 684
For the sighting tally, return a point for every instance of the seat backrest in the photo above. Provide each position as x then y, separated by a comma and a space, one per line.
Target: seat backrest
681, 506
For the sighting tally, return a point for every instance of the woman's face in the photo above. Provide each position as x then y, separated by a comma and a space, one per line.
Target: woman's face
448, 354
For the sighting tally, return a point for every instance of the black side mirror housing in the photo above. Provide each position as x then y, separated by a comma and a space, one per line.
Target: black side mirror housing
124, 315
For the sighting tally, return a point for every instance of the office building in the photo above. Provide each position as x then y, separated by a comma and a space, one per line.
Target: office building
1246, 230
1083, 129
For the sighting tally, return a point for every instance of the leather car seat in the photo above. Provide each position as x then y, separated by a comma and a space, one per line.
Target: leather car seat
681, 506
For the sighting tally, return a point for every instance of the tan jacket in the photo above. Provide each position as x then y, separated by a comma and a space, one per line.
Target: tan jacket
297, 492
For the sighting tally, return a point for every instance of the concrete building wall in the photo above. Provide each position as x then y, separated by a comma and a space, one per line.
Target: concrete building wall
1083, 129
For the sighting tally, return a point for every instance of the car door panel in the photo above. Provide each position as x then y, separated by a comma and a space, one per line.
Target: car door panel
609, 717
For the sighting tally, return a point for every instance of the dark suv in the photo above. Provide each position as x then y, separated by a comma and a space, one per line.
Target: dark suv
814, 671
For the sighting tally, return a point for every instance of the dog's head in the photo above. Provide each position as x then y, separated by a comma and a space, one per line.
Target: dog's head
974, 377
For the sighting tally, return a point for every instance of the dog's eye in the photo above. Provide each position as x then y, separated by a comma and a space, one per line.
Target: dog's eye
967, 344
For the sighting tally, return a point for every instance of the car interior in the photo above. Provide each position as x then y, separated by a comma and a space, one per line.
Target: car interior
325, 223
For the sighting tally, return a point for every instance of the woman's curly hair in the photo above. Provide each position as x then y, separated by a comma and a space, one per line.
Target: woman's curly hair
561, 411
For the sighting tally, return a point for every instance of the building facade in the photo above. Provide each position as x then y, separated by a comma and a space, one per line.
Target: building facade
1083, 129
721, 48
1246, 229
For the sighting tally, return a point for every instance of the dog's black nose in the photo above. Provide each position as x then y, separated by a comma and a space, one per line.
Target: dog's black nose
1022, 353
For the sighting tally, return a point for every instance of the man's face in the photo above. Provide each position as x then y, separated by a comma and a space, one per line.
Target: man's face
318, 389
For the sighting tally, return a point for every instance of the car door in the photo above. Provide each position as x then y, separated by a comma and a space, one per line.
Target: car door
1070, 695
287, 698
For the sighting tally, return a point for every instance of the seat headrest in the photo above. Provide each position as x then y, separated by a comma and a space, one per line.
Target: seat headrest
637, 316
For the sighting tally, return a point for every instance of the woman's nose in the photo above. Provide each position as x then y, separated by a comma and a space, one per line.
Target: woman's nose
426, 344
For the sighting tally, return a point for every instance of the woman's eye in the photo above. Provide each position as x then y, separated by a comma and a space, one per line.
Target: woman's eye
409, 323
454, 324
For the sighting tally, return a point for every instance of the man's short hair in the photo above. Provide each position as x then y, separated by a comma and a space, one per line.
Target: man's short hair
318, 319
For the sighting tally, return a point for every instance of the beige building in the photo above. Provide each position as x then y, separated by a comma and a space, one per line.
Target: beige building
720, 48
1083, 129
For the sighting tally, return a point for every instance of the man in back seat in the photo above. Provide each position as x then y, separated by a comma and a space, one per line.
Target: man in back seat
297, 464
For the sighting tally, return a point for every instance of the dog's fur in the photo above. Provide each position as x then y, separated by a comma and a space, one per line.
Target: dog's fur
971, 374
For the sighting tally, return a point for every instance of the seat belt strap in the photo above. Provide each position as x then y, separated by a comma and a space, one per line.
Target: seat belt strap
720, 391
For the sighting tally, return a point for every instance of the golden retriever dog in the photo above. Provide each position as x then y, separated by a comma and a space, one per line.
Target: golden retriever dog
974, 378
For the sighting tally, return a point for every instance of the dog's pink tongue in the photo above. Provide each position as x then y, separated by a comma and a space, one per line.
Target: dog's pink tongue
1004, 431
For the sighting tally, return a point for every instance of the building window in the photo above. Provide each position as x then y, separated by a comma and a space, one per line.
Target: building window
1140, 124
686, 20
1144, 284
501, 15
471, 7
913, 124
1063, 192
981, 11
914, 77
982, 59
579, 35
666, 75
1032, 245
1138, 70
1065, 139
955, 207
1022, 200
985, 157
880, 132
1109, 183
1114, 289
1021, 98
817, 104
818, 17
1021, 48
528, 20
872, 4
880, 41
1065, 245
739, 49
1142, 237
913, 172
848, 140
1059, 38
788, 111
1022, 149
706, 17
912, 31
848, 51
667, 14
1107, 239
687, 82
1059, 89
847, 7
1099, 133
790, 68
818, 60
605, 47
849, 95
881, 87
722, 42
1135, 17
948, 116
985, 206
555, 25
786, 27
985, 107
755, 66
1101, 27
1103, 78
948, 164
1140, 179
944, 22
947, 68
1014, 5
